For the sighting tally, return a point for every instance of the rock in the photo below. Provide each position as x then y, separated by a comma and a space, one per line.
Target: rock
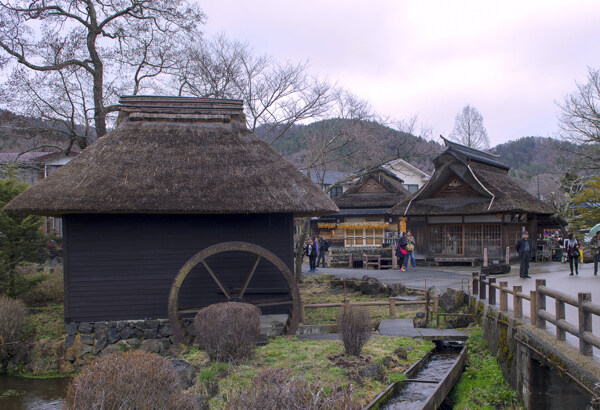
100, 344
397, 289
71, 328
419, 323
151, 324
121, 324
371, 286
69, 341
99, 328
401, 353
389, 362
151, 346
451, 300
186, 373
133, 342
150, 334
84, 349
85, 328
458, 321
111, 349
374, 371
87, 340
434, 291
165, 330
420, 315
496, 268
113, 335
127, 333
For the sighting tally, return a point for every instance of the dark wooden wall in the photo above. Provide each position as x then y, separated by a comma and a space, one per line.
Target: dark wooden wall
121, 266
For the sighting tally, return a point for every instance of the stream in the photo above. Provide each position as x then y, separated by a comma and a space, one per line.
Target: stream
20, 393
420, 386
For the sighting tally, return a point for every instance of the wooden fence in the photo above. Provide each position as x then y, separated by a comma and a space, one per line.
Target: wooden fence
485, 289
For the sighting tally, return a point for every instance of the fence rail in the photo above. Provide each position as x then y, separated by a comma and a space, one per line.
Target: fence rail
485, 288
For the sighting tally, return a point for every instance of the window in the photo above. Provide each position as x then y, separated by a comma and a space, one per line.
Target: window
468, 240
335, 191
412, 188
364, 237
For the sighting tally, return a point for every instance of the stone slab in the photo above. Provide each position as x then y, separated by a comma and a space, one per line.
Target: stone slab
405, 328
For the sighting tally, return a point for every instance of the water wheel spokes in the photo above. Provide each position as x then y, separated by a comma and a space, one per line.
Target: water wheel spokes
291, 296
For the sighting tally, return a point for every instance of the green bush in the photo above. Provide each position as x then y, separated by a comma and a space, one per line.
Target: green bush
132, 380
12, 325
48, 291
228, 331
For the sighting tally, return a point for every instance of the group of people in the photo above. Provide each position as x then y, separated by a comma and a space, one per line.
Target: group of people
571, 248
316, 249
405, 250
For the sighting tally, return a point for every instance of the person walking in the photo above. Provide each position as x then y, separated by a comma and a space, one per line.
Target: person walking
323, 246
401, 251
311, 252
572, 247
410, 249
595, 246
523, 247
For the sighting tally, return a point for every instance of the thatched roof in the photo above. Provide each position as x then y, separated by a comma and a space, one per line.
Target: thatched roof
390, 192
490, 190
177, 155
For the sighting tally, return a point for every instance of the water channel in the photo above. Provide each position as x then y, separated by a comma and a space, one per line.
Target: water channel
20, 393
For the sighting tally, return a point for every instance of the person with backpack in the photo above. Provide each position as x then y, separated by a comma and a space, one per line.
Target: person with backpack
401, 251
410, 249
323, 247
572, 249
595, 246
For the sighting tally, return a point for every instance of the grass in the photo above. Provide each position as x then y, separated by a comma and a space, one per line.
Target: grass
482, 385
318, 361
46, 322
317, 289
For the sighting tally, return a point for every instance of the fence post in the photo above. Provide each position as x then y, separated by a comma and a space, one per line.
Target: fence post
585, 323
532, 306
436, 304
475, 283
302, 311
492, 295
482, 283
560, 315
427, 307
393, 307
517, 302
507, 257
540, 303
485, 258
503, 297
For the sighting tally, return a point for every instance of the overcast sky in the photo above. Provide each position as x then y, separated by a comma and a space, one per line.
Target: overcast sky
511, 60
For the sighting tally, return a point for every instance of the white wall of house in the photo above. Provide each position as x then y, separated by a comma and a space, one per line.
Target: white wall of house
413, 177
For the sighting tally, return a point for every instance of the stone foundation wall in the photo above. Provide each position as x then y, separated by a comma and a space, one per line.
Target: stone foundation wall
100, 338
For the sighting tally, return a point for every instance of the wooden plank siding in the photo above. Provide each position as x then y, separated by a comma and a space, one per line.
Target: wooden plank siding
121, 266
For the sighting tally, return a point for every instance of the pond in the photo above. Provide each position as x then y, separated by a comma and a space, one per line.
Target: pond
20, 393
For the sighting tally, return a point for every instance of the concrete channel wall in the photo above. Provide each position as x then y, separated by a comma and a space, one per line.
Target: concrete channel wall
545, 372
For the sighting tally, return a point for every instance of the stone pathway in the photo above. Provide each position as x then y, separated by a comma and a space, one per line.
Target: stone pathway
405, 328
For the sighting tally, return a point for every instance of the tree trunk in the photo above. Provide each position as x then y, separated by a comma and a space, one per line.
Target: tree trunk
300, 248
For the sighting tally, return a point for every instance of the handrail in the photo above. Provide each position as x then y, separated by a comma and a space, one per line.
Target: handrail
483, 286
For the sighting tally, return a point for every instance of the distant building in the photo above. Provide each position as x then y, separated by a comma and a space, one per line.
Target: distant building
413, 178
328, 178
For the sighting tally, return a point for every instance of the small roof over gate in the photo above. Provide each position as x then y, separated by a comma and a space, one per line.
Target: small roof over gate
177, 155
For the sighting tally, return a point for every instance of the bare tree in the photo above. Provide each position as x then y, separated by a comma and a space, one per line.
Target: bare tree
75, 43
469, 130
579, 121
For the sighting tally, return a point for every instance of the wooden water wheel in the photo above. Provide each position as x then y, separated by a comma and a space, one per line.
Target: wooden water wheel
292, 299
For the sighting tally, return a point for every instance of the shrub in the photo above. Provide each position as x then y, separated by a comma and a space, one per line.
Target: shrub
50, 290
228, 331
12, 325
132, 380
355, 327
276, 389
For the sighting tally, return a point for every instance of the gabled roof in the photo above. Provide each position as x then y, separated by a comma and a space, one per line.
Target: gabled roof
328, 178
397, 164
391, 192
176, 155
490, 188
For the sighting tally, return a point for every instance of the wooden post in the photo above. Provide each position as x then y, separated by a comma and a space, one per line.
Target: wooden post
485, 258
302, 312
503, 297
560, 315
394, 259
427, 307
328, 258
436, 304
540, 303
532, 306
482, 283
585, 324
392, 307
475, 283
492, 296
507, 257
517, 302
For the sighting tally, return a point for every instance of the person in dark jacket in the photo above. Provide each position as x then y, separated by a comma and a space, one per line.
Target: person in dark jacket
323, 246
401, 251
524, 247
595, 245
312, 251
572, 248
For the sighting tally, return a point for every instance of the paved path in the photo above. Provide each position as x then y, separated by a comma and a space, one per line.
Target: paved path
421, 278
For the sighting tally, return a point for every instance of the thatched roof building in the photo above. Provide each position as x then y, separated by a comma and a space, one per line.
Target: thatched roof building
179, 207
177, 155
471, 203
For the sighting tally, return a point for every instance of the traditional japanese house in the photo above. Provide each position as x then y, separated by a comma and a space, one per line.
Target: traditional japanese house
470, 203
179, 207
363, 220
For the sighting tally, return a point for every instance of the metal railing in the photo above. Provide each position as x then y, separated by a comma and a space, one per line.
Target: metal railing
485, 288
